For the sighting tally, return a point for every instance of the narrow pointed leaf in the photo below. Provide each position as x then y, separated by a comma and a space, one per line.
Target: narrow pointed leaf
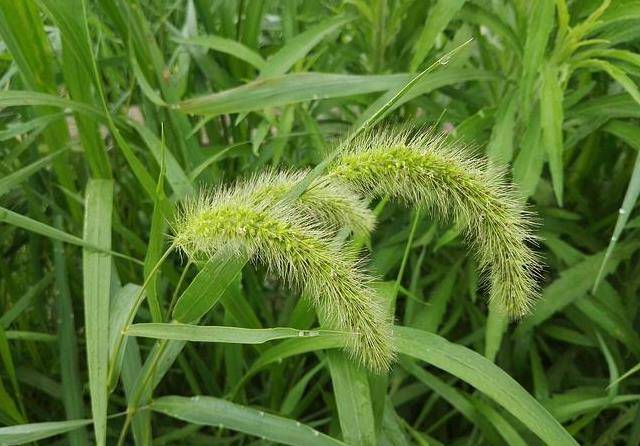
206, 410
97, 281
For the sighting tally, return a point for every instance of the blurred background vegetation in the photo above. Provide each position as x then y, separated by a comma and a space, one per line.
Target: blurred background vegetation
165, 96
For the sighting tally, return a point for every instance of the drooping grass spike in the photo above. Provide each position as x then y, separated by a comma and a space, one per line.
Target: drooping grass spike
245, 218
428, 170
325, 201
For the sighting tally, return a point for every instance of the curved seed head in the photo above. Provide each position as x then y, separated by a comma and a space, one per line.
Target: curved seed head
326, 201
245, 218
431, 171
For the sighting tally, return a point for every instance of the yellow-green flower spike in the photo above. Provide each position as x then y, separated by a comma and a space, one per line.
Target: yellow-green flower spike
247, 219
325, 201
428, 170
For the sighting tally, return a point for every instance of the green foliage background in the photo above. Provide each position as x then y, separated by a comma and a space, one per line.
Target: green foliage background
115, 110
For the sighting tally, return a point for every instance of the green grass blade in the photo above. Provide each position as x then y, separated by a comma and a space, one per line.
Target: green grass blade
8, 409
209, 411
353, 399
449, 393
32, 336
431, 318
9, 367
439, 16
17, 98
68, 347
298, 46
295, 394
382, 106
155, 246
539, 26
77, 70
27, 433
232, 335
506, 430
145, 86
497, 324
208, 287
630, 134
527, 167
616, 73
97, 281
482, 374
14, 179
36, 124
21, 221
131, 366
175, 175
25, 301
122, 305
292, 347
227, 46
287, 89
572, 284
551, 118
500, 147
625, 375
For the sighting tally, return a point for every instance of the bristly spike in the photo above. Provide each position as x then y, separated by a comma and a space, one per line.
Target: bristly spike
453, 185
325, 201
251, 218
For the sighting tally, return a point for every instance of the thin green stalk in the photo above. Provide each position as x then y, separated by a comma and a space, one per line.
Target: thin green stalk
134, 309
174, 296
140, 389
407, 250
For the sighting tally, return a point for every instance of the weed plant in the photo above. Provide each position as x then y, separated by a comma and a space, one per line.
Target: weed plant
223, 222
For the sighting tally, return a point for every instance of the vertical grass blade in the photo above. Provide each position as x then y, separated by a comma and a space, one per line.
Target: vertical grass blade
9, 367
77, 70
97, 280
539, 27
23, 33
353, 399
207, 287
551, 118
438, 18
631, 135
68, 346
122, 305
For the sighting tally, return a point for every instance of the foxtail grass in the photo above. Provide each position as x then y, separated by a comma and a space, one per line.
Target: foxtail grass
325, 201
250, 218
454, 186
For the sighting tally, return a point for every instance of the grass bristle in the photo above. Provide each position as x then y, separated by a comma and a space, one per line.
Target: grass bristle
247, 218
454, 186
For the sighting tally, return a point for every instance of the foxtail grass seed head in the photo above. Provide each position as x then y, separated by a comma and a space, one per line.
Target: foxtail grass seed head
327, 202
428, 170
247, 218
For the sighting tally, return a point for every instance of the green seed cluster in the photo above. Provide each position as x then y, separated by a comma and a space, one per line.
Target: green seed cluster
454, 186
327, 202
295, 240
297, 249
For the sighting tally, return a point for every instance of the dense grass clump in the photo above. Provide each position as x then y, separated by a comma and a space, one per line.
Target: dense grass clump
131, 314
428, 170
250, 218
